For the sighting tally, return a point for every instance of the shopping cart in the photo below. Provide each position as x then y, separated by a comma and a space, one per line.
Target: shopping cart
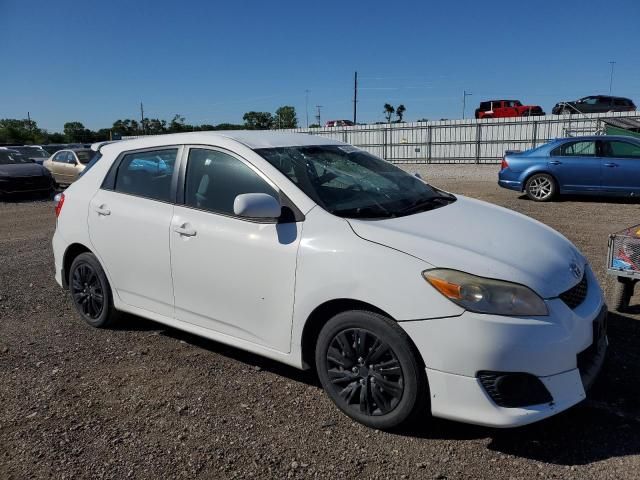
623, 262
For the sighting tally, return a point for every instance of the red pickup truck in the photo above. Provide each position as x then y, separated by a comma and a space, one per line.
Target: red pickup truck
507, 108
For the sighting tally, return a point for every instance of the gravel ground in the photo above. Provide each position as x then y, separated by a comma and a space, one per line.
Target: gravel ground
145, 401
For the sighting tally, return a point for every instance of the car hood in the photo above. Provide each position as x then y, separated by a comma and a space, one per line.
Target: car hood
22, 170
485, 240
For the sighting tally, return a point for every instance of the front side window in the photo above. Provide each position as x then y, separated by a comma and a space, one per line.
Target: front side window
147, 174
60, 157
576, 149
622, 149
349, 182
214, 179
589, 100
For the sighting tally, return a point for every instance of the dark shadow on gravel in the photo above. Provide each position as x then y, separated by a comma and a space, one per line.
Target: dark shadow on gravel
606, 425
134, 323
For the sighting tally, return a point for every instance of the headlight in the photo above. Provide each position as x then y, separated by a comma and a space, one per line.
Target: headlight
485, 295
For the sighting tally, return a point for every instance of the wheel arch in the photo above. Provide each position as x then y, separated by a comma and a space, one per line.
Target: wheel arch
530, 174
70, 255
325, 312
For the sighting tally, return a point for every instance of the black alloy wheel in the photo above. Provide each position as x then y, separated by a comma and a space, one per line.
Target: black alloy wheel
371, 370
87, 291
90, 291
365, 372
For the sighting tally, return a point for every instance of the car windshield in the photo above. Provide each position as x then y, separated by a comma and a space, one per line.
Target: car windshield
8, 157
349, 182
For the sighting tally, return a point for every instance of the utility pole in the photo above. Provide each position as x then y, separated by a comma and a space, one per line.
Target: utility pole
306, 105
29, 120
465, 94
142, 118
355, 98
611, 76
318, 114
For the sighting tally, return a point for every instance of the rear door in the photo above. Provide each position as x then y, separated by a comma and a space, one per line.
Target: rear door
60, 167
621, 167
129, 219
576, 165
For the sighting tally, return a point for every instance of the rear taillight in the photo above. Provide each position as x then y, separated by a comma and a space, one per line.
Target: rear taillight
504, 164
59, 202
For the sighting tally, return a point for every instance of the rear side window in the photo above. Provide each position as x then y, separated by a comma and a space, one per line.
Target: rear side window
61, 157
147, 174
214, 179
484, 106
622, 149
576, 149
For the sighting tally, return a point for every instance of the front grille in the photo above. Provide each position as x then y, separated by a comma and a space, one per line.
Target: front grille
576, 294
25, 184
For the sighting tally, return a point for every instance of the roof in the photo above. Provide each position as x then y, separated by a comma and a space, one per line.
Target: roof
251, 138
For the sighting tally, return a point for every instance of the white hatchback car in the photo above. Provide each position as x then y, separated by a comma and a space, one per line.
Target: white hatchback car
405, 299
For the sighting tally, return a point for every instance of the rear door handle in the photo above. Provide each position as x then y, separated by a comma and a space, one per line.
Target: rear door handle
185, 231
101, 210
555, 162
610, 164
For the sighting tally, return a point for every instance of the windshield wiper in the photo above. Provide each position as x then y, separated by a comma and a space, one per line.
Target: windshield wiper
426, 204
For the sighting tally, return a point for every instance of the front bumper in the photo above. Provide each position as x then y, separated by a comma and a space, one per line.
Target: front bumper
561, 350
34, 184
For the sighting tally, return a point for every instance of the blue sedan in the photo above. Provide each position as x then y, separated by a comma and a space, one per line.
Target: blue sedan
595, 165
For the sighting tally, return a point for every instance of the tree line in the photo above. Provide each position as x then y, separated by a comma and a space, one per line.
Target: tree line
26, 131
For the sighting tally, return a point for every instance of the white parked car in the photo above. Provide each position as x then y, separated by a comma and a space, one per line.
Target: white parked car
405, 298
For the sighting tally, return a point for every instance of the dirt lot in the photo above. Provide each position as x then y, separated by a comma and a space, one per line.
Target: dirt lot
144, 401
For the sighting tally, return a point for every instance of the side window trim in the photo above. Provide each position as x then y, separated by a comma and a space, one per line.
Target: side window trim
294, 214
110, 178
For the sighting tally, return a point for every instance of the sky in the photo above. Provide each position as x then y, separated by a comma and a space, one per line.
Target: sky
212, 61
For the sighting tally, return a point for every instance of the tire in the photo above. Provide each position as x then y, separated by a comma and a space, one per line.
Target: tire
622, 293
566, 111
91, 292
541, 187
382, 395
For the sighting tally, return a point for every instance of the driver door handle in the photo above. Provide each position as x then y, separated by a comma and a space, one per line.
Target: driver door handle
555, 162
185, 231
101, 210
610, 164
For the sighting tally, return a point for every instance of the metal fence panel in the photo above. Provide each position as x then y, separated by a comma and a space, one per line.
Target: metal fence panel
463, 141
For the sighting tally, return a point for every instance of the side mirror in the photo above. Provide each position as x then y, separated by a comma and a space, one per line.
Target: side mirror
256, 205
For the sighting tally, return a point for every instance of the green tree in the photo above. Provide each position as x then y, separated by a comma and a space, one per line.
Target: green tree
23, 131
400, 112
75, 132
258, 120
388, 111
285, 117
126, 127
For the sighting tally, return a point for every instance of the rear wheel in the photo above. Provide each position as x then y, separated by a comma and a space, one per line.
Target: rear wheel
541, 187
370, 369
90, 291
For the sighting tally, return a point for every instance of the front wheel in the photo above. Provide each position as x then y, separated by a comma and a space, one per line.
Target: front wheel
541, 187
90, 291
369, 368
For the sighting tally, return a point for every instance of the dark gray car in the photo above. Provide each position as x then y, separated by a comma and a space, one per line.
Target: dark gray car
595, 104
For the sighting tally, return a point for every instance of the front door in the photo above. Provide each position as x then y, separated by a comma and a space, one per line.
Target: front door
576, 166
129, 220
233, 275
621, 167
